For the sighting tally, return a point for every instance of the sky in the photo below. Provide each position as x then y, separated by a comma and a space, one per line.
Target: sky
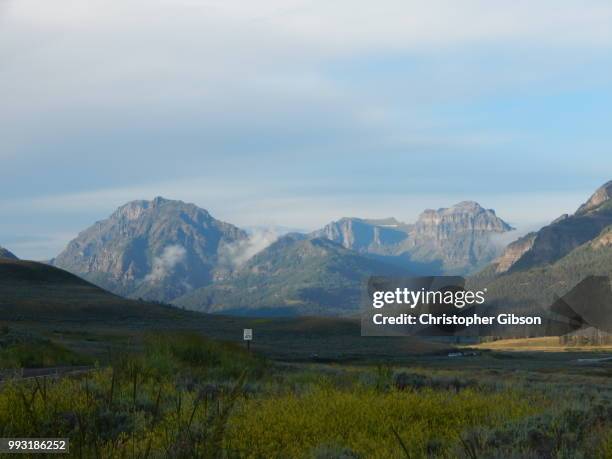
294, 113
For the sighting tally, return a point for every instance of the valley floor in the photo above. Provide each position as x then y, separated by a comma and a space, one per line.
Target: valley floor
540, 344
309, 388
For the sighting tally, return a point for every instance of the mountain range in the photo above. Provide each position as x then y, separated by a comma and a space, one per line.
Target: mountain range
171, 251
321, 273
454, 240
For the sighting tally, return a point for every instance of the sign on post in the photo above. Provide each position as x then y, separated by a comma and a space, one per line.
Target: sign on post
248, 337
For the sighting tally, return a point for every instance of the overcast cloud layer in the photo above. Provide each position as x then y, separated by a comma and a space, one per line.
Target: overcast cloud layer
295, 113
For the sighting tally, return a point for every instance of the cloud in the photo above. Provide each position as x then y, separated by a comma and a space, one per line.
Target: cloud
163, 266
237, 253
215, 79
272, 51
342, 23
501, 240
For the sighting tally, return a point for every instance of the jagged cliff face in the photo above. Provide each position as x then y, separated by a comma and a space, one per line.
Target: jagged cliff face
156, 249
514, 252
450, 240
459, 236
365, 236
4, 253
467, 216
563, 235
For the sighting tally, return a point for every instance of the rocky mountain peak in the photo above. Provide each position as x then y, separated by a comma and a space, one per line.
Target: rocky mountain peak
135, 210
460, 207
464, 206
464, 216
601, 195
132, 210
457, 237
155, 249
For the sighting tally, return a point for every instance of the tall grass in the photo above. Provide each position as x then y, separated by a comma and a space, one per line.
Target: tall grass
155, 404
363, 420
184, 396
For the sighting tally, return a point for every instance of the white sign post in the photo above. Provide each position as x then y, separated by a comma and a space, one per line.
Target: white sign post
248, 337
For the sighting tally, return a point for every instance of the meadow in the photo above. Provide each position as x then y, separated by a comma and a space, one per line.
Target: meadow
179, 394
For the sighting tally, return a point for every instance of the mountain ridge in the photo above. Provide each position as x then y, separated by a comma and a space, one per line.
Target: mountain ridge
545, 264
457, 238
561, 236
532, 290
5, 253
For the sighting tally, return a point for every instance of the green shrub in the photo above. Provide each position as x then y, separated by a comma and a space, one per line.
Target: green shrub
20, 349
362, 419
168, 353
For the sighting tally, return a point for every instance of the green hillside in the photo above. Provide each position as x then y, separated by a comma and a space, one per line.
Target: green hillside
537, 287
293, 276
35, 290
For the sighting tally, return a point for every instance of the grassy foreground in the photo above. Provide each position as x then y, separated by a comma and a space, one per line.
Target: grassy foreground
184, 396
